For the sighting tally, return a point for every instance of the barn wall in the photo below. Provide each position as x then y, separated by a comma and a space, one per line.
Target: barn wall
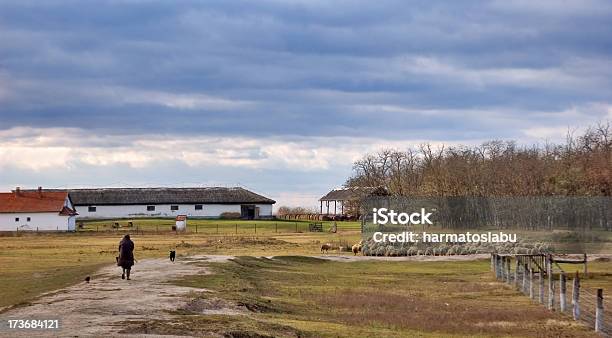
45, 221
163, 210
265, 210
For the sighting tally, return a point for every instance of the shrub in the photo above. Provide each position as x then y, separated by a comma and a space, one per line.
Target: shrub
230, 215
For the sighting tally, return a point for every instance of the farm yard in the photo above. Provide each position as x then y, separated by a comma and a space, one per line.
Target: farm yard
274, 283
36, 262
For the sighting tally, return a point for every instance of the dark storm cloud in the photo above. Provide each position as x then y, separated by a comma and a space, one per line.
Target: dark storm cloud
308, 68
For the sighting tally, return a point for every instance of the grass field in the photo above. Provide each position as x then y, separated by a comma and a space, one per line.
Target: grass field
309, 297
33, 263
293, 296
215, 226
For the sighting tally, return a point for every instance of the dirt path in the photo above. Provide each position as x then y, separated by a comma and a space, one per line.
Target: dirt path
98, 308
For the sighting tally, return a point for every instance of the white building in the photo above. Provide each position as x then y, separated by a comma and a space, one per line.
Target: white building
181, 223
36, 210
210, 202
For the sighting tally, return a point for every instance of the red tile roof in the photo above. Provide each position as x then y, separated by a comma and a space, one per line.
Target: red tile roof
68, 212
32, 201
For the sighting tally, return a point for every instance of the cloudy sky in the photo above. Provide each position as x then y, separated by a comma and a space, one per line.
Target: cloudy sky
281, 96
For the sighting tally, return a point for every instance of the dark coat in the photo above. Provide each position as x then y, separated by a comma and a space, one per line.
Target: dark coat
126, 253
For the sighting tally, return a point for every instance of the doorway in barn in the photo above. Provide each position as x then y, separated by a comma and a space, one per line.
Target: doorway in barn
248, 211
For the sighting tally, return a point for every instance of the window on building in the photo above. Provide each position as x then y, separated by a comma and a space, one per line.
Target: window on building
29, 219
91, 209
174, 207
198, 206
150, 208
16, 219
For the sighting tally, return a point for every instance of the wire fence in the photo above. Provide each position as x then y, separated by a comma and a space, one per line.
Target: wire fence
543, 280
199, 227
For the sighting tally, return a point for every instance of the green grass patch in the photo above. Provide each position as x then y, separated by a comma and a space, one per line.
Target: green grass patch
217, 226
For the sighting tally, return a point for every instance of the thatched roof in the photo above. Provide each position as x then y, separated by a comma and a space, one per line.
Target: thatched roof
354, 193
209, 195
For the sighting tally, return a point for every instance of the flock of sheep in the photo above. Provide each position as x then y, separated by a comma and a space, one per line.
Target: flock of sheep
371, 248
355, 248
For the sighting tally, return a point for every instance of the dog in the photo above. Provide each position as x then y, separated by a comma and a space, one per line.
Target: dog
326, 247
172, 255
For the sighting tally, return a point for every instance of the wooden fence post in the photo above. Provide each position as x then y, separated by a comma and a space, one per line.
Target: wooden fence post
541, 280
531, 293
255, 227
599, 311
492, 262
508, 270
576, 297
516, 273
551, 282
562, 292
276, 227
495, 265
217, 228
236, 228
525, 271
196, 228
586, 271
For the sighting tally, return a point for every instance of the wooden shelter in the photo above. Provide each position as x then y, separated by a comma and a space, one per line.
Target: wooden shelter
346, 201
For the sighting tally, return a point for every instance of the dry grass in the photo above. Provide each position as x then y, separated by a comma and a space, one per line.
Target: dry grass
468, 316
406, 298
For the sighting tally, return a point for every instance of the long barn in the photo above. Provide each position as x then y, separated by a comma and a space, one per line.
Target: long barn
209, 202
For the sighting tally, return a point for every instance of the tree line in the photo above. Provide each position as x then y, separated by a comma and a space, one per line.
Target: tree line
581, 166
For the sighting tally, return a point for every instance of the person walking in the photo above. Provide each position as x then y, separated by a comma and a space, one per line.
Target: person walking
126, 256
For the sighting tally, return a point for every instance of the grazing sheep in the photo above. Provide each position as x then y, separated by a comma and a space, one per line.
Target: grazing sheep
326, 247
356, 249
